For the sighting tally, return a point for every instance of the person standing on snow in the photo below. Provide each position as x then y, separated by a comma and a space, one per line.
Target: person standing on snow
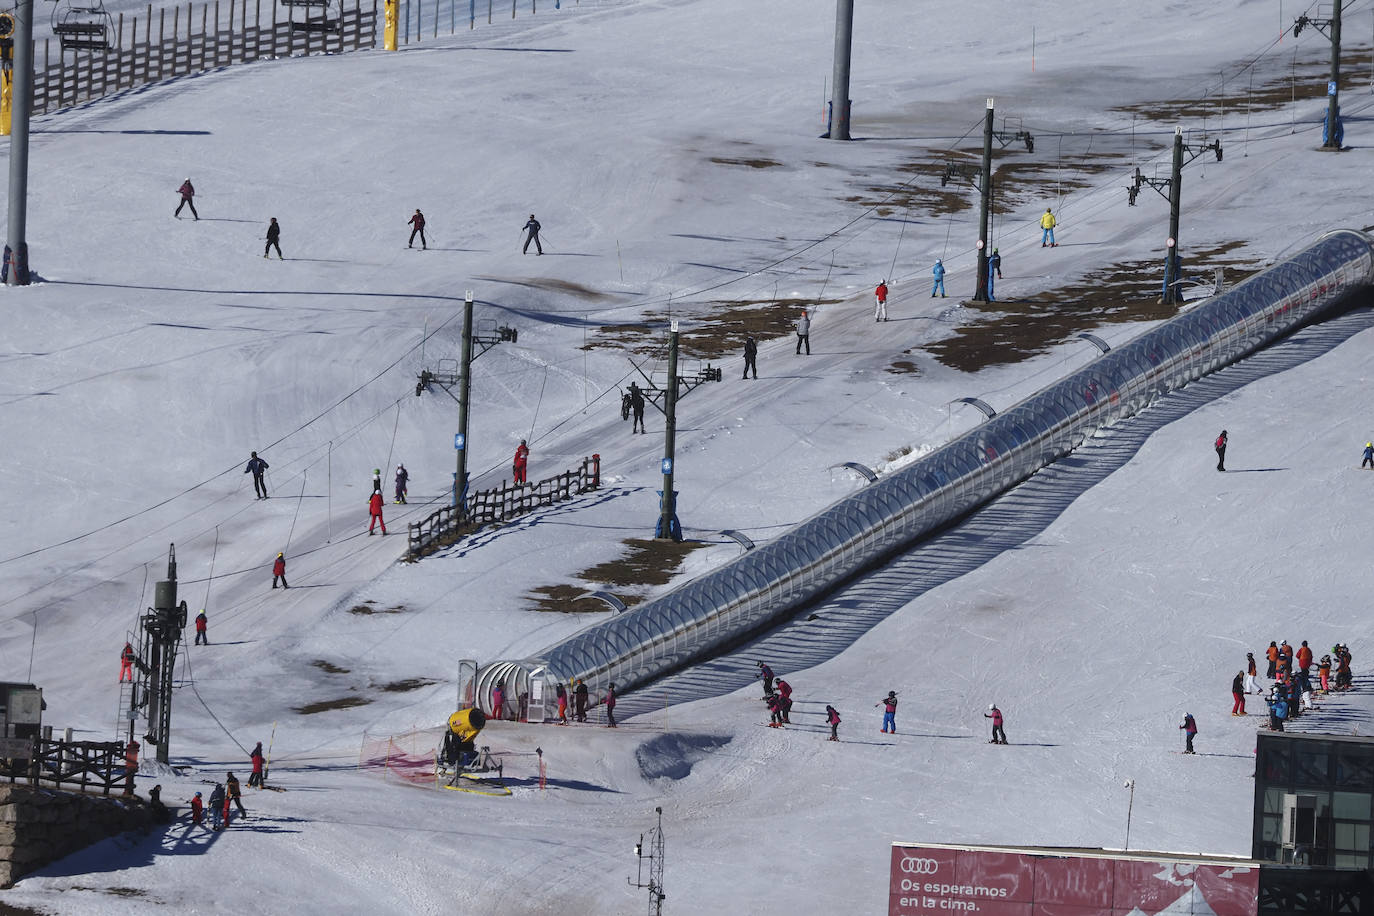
376, 480
1368, 461
235, 794
995, 263
580, 695
418, 221
751, 356
774, 710
1189, 727
498, 700
938, 271
610, 705
255, 778
636, 408
197, 807
217, 807
126, 663
804, 333
1251, 686
1272, 653
832, 718
1221, 450
256, 467
374, 510
273, 239
562, 693
1047, 224
766, 673
521, 462
995, 714
784, 690
1324, 673
532, 228
1238, 694
880, 301
402, 479
279, 571
1304, 657
187, 191
889, 704
202, 627
1278, 710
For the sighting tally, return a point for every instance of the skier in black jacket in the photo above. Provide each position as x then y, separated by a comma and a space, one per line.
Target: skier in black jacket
532, 228
273, 239
256, 466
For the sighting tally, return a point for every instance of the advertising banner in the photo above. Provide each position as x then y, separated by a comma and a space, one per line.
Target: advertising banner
939, 881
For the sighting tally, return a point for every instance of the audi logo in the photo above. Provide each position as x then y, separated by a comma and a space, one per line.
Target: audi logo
912, 866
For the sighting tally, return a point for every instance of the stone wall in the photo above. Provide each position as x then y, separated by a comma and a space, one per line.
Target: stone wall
38, 826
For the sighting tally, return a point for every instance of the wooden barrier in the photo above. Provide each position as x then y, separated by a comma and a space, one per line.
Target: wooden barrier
447, 524
75, 765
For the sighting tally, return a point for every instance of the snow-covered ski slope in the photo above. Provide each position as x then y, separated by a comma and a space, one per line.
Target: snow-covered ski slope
674, 142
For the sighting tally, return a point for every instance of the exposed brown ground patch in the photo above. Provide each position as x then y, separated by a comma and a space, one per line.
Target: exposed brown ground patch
328, 667
310, 709
1010, 331
410, 683
647, 562
755, 163
713, 331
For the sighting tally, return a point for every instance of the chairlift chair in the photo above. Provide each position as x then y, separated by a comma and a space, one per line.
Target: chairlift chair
318, 15
82, 28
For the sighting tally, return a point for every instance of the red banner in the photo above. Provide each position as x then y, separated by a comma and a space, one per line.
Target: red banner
930, 881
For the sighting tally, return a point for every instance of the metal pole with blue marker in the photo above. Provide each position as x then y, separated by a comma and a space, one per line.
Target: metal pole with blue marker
460, 440
667, 523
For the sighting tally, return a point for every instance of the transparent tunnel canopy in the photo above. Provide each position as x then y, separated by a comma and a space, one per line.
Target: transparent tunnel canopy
769, 583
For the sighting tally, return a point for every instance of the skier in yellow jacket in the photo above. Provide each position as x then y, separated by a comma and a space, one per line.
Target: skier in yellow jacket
1047, 224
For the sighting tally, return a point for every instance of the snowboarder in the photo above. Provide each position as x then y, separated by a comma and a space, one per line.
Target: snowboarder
1221, 450
1189, 727
256, 467
217, 807
522, 457
197, 806
751, 357
995, 714
610, 705
273, 239
374, 510
255, 778
1047, 224
498, 700
995, 263
532, 228
1238, 694
562, 693
202, 626
938, 271
402, 478
880, 301
418, 221
889, 704
231, 787
187, 191
1251, 685
636, 408
279, 571
580, 696
766, 673
833, 719
804, 333
1368, 461
126, 663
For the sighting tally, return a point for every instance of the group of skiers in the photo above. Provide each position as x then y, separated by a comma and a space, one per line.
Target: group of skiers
187, 192
225, 798
1292, 692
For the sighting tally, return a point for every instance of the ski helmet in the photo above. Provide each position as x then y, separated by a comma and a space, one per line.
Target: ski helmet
376, 470
992, 706
197, 795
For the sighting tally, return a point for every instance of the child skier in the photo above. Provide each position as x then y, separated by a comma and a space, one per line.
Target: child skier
1189, 727
402, 479
995, 714
889, 704
197, 807
216, 807
833, 718
374, 509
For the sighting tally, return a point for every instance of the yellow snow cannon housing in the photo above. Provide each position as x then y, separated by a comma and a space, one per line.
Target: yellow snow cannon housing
467, 723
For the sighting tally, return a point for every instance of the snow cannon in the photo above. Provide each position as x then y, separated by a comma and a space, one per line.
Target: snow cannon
466, 724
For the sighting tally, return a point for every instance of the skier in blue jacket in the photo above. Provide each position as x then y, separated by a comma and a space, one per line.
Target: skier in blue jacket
1368, 456
939, 271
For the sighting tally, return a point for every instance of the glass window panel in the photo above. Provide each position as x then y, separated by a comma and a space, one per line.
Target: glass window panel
1351, 805
1271, 829
1273, 801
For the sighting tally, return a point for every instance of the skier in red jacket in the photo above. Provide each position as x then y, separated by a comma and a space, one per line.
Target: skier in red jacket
279, 571
374, 508
522, 457
418, 221
187, 192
